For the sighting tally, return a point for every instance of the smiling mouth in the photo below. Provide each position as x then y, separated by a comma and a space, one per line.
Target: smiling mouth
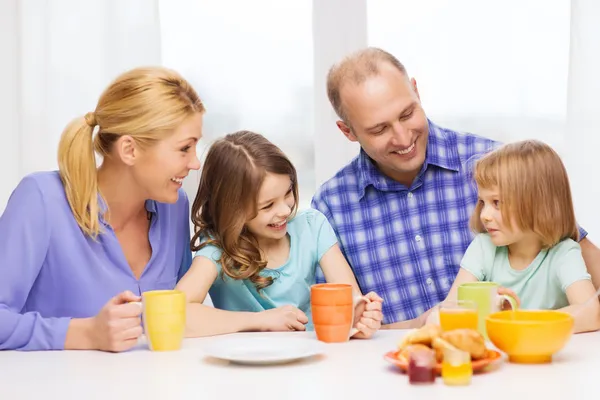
407, 150
278, 225
178, 180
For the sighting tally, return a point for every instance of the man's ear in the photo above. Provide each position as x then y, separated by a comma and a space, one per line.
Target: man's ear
346, 131
413, 82
127, 150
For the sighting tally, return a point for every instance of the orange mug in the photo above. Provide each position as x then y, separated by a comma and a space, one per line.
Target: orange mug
332, 306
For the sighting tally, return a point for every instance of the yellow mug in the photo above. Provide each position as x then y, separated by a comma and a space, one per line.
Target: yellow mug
164, 318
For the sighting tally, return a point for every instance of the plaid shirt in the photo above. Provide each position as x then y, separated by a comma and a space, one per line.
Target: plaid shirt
406, 244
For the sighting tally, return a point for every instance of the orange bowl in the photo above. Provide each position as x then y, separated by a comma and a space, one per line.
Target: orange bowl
529, 336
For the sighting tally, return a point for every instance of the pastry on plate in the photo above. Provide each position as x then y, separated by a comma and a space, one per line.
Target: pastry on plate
432, 337
405, 352
468, 340
423, 335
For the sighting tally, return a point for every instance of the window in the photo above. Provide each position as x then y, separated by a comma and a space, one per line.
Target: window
252, 64
498, 69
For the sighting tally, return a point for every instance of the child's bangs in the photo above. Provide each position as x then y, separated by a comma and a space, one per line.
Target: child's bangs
486, 172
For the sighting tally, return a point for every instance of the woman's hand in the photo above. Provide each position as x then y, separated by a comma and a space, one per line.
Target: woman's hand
118, 325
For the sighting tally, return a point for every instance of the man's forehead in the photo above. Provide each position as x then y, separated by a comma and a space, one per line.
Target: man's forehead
374, 103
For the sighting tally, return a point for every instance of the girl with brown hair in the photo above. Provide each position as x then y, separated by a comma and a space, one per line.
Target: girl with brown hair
256, 254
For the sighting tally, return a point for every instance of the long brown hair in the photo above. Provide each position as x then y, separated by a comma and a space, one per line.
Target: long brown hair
233, 172
145, 103
534, 190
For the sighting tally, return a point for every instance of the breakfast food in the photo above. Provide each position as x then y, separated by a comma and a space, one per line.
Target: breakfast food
432, 337
468, 340
421, 363
424, 335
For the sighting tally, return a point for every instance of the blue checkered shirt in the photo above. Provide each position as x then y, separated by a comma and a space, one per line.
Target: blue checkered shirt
406, 243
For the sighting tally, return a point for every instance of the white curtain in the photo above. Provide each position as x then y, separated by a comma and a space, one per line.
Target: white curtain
57, 57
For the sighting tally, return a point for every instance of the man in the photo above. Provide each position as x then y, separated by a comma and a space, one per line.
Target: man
401, 207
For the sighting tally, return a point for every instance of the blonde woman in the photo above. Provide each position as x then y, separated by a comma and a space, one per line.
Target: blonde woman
79, 244
527, 234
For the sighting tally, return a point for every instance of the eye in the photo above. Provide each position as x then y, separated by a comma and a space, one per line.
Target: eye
186, 148
497, 203
267, 206
407, 116
289, 192
379, 131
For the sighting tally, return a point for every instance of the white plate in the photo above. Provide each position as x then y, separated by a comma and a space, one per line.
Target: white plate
261, 350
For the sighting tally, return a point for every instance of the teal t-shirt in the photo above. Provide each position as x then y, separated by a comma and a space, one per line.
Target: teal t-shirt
311, 236
542, 285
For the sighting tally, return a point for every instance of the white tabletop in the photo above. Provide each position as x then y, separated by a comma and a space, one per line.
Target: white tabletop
353, 370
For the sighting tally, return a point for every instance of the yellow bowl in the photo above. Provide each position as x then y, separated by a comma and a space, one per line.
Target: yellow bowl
529, 336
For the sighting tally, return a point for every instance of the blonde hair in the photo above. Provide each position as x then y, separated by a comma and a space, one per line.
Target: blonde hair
534, 191
233, 172
147, 104
356, 68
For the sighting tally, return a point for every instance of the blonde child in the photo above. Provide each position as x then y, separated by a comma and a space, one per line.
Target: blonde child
527, 235
255, 254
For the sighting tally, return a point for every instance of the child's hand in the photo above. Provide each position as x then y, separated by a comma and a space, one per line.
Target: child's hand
368, 316
286, 318
511, 293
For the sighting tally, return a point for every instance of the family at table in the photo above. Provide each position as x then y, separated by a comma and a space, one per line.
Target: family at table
421, 210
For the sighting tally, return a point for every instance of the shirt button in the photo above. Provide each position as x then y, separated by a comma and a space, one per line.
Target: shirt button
410, 195
429, 281
418, 238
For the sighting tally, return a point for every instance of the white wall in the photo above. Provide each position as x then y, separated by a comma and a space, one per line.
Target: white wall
582, 141
57, 58
9, 100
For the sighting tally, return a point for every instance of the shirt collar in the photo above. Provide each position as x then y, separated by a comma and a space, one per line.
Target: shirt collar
103, 207
442, 148
441, 152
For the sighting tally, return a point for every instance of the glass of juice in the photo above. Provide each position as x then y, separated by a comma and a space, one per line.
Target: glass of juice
456, 367
458, 314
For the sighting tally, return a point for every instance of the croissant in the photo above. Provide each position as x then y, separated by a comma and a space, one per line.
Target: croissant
467, 340
423, 335
439, 345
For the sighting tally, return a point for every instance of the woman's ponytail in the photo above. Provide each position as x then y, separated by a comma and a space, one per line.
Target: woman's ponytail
77, 167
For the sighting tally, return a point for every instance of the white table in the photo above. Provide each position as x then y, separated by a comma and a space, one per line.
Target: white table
353, 370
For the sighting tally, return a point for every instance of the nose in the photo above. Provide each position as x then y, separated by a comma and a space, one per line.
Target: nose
486, 215
400, 135
284, 210
194, 163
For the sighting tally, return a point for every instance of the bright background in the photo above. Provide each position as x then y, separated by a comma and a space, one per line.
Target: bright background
507, 70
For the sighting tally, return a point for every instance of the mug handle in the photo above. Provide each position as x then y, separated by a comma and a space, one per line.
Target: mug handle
505, 297
139, 303
356, 300
141, 339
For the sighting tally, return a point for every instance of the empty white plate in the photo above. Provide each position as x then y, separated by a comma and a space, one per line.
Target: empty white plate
263, 350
